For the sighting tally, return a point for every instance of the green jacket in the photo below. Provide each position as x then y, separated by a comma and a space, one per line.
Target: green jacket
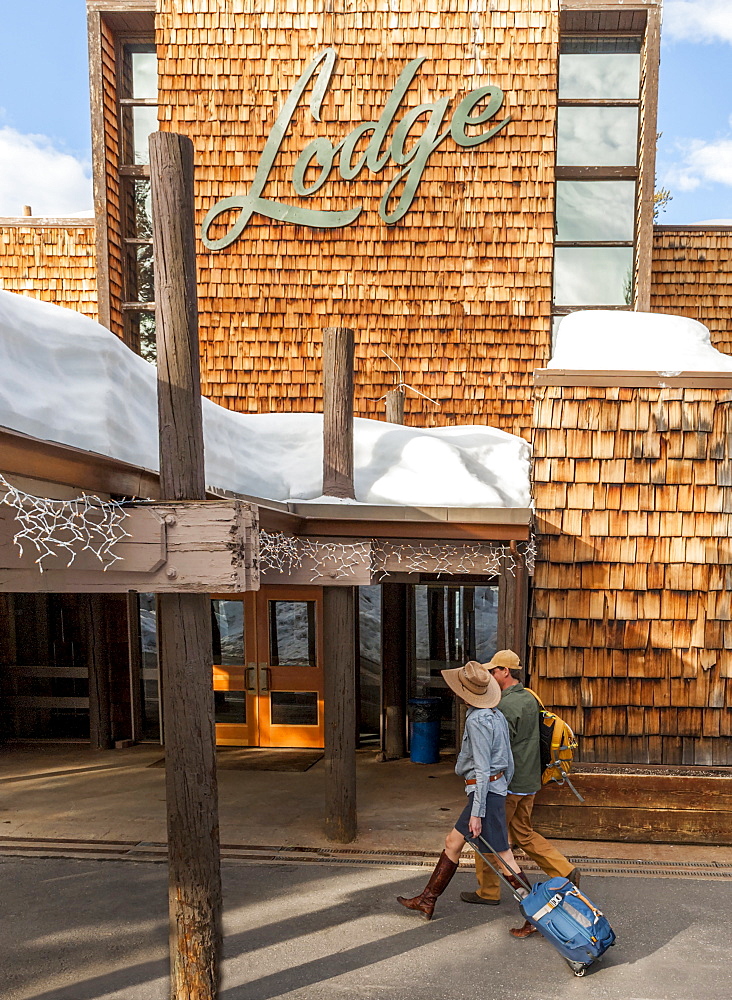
522, 714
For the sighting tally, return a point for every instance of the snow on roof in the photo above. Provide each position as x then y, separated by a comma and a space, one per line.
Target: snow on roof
65, 378
613, 340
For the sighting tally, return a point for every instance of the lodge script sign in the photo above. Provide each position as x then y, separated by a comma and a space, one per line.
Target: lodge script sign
407, 151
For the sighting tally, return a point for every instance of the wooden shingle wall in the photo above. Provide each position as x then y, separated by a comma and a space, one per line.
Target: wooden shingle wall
692, 276
458, 292
50, 260
631, 631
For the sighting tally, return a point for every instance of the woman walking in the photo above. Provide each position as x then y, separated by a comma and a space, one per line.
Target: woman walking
486, 765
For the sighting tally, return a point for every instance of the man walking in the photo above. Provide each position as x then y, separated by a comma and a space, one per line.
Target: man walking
521, 710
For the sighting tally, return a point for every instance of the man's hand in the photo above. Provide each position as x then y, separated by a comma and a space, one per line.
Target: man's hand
475, 825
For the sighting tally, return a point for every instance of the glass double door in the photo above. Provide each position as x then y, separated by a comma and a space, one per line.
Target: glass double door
268, 668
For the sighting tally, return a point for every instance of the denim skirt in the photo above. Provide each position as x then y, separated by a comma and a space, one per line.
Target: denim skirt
494, 821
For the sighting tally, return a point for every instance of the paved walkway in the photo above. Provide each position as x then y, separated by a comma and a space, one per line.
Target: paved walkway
320, 923
68, 791
92, 930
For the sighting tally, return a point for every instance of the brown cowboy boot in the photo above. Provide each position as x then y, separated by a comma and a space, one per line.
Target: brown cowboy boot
519, 882
523, 932
439, 881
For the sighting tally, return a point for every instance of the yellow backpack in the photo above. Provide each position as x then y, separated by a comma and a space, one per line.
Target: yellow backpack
557, 744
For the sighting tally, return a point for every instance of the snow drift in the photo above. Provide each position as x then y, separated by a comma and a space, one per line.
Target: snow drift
613, 340
65, 378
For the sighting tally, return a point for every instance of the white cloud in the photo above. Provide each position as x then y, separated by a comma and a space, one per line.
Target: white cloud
697, 20
702, 163
34, 172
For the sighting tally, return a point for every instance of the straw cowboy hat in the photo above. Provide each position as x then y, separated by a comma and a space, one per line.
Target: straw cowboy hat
475, 684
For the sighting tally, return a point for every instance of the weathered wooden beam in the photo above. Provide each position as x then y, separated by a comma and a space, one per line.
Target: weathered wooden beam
650, 62
339, 654
425, 530
49, 461
184, 620
195, 547
338, 351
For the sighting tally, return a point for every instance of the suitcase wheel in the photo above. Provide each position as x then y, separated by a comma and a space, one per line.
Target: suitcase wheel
578, 968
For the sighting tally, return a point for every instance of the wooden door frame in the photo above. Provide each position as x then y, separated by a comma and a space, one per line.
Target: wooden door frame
298, 593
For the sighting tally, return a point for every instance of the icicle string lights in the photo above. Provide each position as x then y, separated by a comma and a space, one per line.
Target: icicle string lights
338, 560
86, 524
326, 560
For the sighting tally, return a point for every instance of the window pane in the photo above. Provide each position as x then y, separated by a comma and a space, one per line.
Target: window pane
294, 708
230, 706
595, 210
369, 634
485, 622
144, 278
596, 276
602, 75
144, 74
582, 44
150, 700
144, 121
141, 334
227, 628
142, 210
292, 633
588, 137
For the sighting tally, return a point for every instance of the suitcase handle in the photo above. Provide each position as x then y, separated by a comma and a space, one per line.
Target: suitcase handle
473, 843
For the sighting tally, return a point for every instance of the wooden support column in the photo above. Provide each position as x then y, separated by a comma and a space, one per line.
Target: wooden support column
395, 406
338, 345
184, 620
93, 632
394, 668
339, 605
513, 609
134, 654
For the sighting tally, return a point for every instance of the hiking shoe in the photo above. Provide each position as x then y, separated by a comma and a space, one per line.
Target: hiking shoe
473, 897
574, 876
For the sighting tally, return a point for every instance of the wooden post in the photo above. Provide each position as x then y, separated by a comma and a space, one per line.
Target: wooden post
338, 352
134, 655
340, 712
184, 622
93, 631
513, 605
395, 406
394, 668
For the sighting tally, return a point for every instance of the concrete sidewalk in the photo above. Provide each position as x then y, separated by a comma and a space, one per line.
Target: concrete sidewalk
91, 930
321, 923
57, 791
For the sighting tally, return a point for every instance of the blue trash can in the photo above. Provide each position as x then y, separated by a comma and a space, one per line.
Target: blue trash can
424, 742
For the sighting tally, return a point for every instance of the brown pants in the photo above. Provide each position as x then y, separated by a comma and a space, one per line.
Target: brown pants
521, 832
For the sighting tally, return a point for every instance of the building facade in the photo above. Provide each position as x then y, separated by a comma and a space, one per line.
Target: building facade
448, 179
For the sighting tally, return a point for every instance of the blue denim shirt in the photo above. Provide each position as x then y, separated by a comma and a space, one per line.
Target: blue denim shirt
486, 750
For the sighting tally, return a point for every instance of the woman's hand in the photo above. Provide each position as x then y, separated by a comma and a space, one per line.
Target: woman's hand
475, 825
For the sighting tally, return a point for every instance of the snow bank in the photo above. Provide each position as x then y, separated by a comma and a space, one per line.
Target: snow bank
608, 340
65, 378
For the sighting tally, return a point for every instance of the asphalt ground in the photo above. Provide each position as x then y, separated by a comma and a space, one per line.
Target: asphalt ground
78, 929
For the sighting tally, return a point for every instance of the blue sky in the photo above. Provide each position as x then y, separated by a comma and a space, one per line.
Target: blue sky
45, 158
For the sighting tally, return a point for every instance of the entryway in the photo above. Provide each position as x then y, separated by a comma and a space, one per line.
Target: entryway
268, 668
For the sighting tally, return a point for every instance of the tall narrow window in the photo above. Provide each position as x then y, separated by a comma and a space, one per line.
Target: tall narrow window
597, 172
138, 118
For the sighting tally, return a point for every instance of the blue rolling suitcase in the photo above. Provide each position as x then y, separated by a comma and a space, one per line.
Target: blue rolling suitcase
564, 916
